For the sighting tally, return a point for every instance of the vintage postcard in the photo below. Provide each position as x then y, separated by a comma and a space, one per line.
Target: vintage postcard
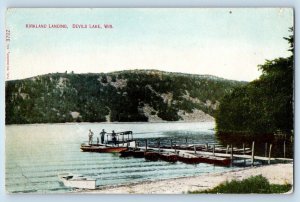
149, 100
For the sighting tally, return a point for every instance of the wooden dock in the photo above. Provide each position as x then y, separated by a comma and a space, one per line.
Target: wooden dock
212, 153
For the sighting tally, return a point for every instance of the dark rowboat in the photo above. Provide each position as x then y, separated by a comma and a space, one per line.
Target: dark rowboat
165, 156
132, 153
196, 158
169, 157
189, 159
215, 160
126, 153
152, 156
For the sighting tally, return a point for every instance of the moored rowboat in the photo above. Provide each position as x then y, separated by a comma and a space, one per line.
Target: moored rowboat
132, 153
169, 157
152, 156
189, 159
196, 158
215, 160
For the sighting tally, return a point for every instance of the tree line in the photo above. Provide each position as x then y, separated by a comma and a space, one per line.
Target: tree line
264, 106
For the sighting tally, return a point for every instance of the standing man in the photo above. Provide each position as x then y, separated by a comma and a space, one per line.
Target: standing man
91, 134
102, 134
114, 138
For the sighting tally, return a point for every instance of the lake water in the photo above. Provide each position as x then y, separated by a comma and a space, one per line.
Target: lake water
36, 154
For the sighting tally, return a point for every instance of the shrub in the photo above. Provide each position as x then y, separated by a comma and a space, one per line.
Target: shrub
255, 184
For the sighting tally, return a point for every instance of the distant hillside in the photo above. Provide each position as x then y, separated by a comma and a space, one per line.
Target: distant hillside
125, 96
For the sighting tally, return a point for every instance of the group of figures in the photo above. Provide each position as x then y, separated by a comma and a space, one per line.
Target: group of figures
102, 136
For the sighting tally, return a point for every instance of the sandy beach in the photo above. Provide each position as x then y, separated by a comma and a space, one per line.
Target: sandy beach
276, 174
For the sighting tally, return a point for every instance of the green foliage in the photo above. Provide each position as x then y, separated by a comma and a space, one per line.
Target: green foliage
263, 106
120, 95
255, 184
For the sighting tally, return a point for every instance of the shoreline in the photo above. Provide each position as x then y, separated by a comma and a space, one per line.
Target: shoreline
183, 185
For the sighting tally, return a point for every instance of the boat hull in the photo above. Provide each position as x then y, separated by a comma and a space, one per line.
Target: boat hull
103, 149
217, 161
168, 157
151, 156
78, 182
190, 160
195, 159
132, 153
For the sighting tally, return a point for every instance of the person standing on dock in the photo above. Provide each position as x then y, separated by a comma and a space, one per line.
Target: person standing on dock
91, 134
102, 133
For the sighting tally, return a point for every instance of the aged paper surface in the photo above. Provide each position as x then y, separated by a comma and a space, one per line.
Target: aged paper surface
151, 101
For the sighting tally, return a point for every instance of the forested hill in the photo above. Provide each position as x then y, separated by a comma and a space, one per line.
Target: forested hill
133, 95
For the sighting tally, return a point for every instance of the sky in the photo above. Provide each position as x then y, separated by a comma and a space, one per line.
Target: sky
225, 42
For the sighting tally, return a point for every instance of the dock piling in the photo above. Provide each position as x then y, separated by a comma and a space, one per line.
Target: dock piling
146, 144
158, 145
227, 149
269, 161
252, 153
214, 149
195, 149
284, 149
244, 152
231, 157
186, 142
207, 147
266, 149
